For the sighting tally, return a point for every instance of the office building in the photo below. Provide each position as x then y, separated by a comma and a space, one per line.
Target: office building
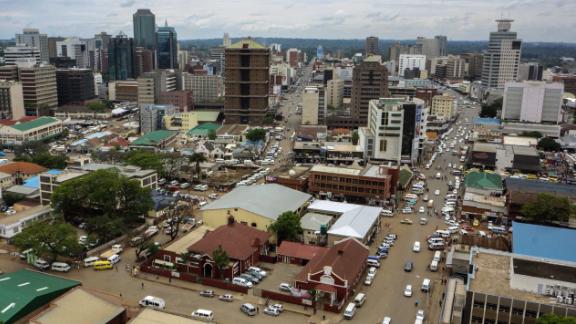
101, 42
75, 49
568, 80
474, 61
52, 52
246, 82
166, 47
320, 53
443, 106
205, 88
21, 54
218, 58
152, 84
143, 60
411, 64
369, 81
533, 102
11, 100
432, 47
310, 102
393, 131
335, 93
75, 86
179, 98
226, 41
530, 72
32, 38
146, 93
502, 58
121, 58
397, 49
151, 117
371, 46
292, 57
144, 23
123, 90
39, 89
452, 67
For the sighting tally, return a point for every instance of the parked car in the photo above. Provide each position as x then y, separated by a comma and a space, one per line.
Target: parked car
408, 291
368, 281
226, 297
152, 302
207, 293
406, 221
279, 307
262, 272
408, 266
285, 286
41, 264
271, 311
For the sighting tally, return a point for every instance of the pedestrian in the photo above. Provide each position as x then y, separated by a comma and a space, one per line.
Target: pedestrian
116, 267
142, 284
169, 279
257, 309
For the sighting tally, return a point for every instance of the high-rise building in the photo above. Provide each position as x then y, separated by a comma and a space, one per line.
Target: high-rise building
52, 52
451, 67
218, 58
166, 47
502, 58
75, 86
11, 100
33, 38
432, 47
397, 49
121, 58
101, 52
443, 106
123, 90
226, 40
143, 60
292, 57
407, 63
144, 29
320, 53
533, 102
152, 84
21, 54
151, 117
75, 49
179, 98
530, 72
369, 82
39, 89
246, 82
569, 82
371, 46
335, 93
310, 100
474, 61
205, 88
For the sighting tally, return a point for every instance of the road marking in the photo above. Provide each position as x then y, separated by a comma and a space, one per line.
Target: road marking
7, 308
24, 284
41, 289
5, 278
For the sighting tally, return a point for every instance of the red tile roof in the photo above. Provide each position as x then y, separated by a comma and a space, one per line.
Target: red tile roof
238, 240
7, 122
22, 167
300, 250
347, 258
27, 119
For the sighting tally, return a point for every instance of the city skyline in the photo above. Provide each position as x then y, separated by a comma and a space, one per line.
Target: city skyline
327, 19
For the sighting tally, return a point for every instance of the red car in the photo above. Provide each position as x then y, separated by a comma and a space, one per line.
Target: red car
468, 228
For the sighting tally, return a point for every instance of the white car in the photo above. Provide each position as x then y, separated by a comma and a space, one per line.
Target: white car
408, 291
406, 210
285, 286
372, 272
387, 320
368, 280
437, 192
422, 210
416, 247
420, 314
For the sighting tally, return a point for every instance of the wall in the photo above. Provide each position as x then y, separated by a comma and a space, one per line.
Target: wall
218, 217
527, 283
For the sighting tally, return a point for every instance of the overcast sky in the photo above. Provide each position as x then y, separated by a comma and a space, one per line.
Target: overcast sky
536, 20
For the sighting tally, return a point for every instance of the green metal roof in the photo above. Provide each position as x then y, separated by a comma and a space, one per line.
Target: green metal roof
405, 175
26, 126
483, 180
23, 291
154, 138
249, 42
203, 129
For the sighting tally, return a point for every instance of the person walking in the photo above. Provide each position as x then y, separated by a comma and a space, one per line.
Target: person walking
142, 284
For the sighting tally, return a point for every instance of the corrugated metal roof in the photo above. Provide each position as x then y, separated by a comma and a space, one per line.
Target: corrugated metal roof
153, 138
354, 220
544, 241
42, 121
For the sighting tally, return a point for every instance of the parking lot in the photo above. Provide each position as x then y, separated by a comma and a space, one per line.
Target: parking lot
278, 273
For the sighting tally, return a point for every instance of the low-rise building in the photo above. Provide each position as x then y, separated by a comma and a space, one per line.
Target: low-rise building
443, 106
31, 131
297, 253
81, 112
155, 141
315, 227
521, 191
20, 171
13, 224
50, 181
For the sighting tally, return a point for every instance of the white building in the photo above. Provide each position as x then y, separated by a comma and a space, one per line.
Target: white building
21, 53
32, 131
14, 224
411, 62
310, 102
32, 37
443, 106
335, 93
533, 101
11, 100
75, 49
502, 59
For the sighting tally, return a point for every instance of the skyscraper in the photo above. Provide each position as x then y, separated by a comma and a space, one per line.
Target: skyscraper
144, 28
21, 54
372, 46
319, 52
33, 38
432, 47
501, 60
121, 58
167, 47
369, 82
75, 49
226, 40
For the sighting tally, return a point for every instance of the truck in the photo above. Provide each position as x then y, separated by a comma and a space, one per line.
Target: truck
115, 249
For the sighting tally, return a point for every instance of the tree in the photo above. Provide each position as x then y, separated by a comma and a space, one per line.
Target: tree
196, 159
491, 110
211, 134
49, 239
355, 137
549, 145
10, 198
256, 135
174, 216
287, 227
555, 319
534, 134
145, 159
221, 259
97, 106
38, 152
547, 208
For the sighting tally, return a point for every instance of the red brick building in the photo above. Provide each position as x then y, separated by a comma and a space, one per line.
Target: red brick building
181, 99
298, 253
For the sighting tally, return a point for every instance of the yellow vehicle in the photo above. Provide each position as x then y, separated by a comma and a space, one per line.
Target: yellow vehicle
476, 223
102, 265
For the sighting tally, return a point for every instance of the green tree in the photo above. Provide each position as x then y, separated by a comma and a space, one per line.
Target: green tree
196, 159
97, 106
38, 152
11, 198
555, 319
492, 109
287, 227
221, 259
355, 137
211, 134
547, 208
549, 145
49, 239
145, 160
256, 135
534, 134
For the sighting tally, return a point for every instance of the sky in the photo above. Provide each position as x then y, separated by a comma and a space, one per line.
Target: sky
535, 20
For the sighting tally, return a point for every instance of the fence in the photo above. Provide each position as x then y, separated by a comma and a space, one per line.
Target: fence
97, 250
286, 298
336, 308
268, 258
224, 285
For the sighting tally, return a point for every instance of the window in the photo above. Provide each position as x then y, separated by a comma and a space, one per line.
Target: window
244, 223
254, 225
383, 145
384, 119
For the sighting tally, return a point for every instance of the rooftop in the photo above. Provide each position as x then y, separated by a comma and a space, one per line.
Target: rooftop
22, 167
207, 115
7, 220
232, 129
544, 241
299, 250
154, 138
181, 245
35, 180
336, 170
203, 129
485, 147
534, 186
247, 43
353, 220
483, 181
520, 141
487, 121
313, 221
42, 121
268, 200
150, 316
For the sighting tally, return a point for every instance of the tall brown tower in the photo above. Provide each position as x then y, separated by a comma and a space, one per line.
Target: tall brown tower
369, 81
246, 79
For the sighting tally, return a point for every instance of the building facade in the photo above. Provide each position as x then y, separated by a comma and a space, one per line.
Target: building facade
369, 81
144, 22
36, 130
501, 60
151, 117
335, 93
121, 58
39, 89
75, 49
21, 54
11, 100
32, 38
371, 46
310, 102
433, 47
411, 62
75, 86
530, 72
205, 88
443, 106
533, 101
167, 47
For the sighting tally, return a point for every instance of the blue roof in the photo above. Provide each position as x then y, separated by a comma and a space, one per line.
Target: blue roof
486, 121
34, 181
544, 241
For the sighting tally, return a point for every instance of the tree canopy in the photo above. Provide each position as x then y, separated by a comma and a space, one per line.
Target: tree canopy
287, 227
491, 110
534, 134
547, 208
106, 200
38, 152
97, 106
355, 137
49, 240
166, 164
555, 319
221, 259
256, 134
549, 145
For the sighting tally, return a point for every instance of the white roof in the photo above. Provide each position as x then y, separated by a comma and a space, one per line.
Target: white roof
354, 221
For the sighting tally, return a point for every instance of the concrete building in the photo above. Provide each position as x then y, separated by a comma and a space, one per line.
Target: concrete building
181, 99
11, 100
335, 93
533, 101
166, 47
126, 90
475, 63
75, 49
39, 88
75, 86
246, 82
310, 103
292, 57
371, 46
501, 60
21, 54
411, 62
530, 72
146, 93
12, 225
448, 67
151, 117
36, 130
397, 49
369, 81
205, 88
144, 23
433, 47
394, 129
443, 106
32, 38
144, 60
121, 58
152, 84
